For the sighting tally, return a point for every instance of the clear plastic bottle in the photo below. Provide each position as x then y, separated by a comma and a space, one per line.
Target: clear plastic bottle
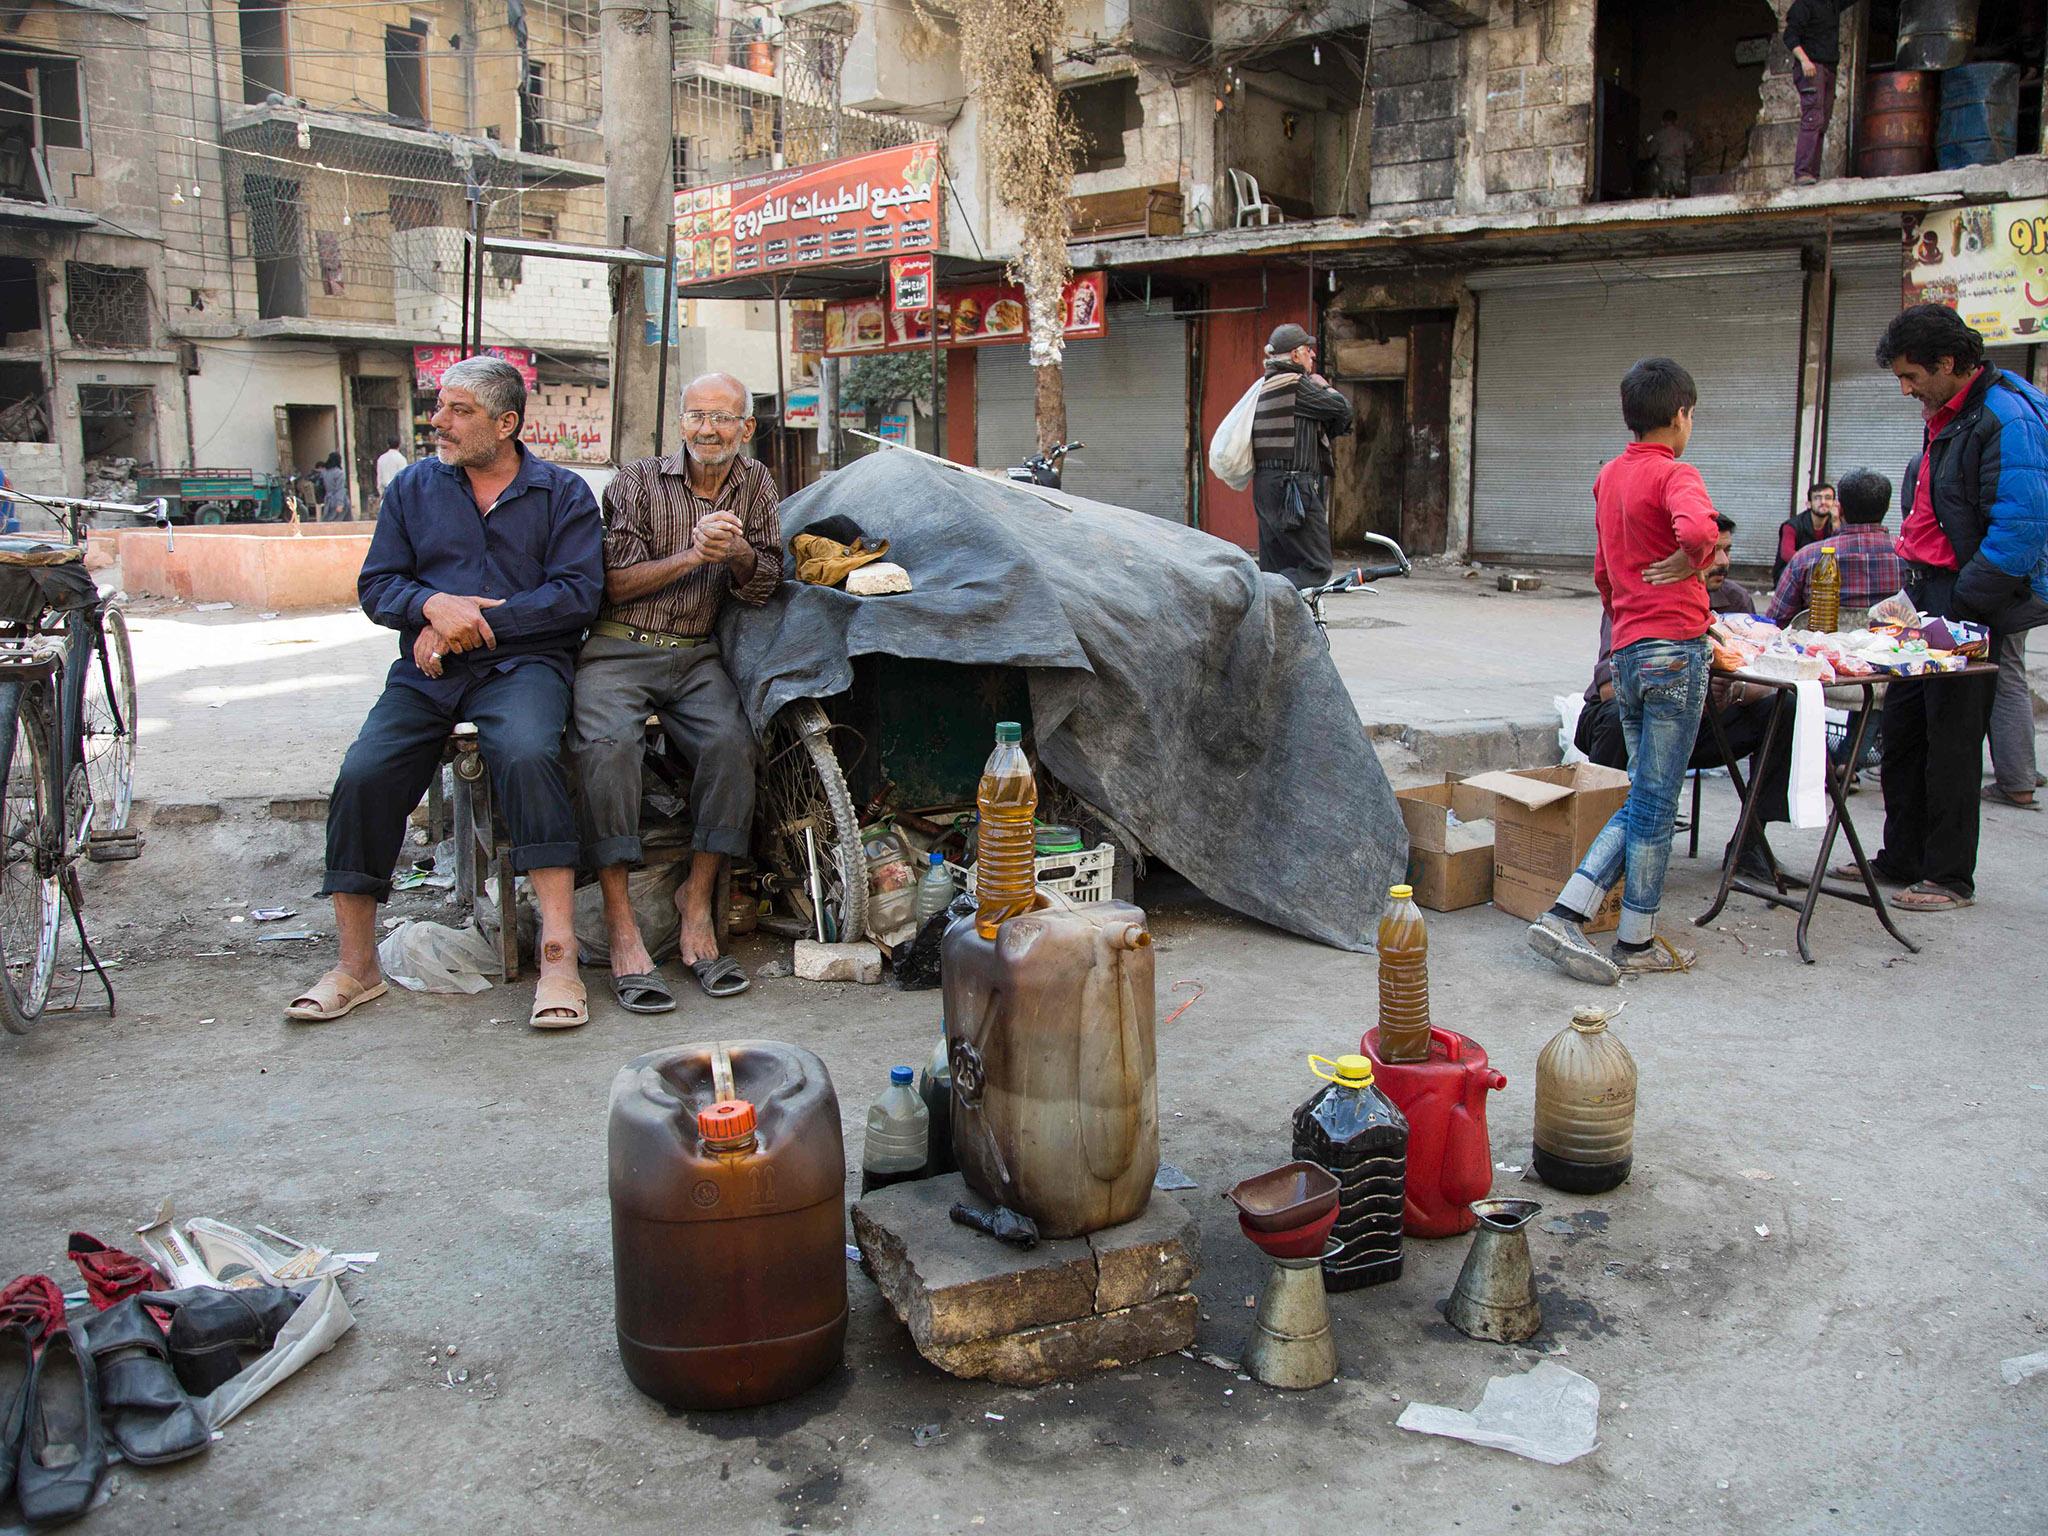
899, 1132
1404, 979
1824, 593
1005, 856
1585, 1107
934, 889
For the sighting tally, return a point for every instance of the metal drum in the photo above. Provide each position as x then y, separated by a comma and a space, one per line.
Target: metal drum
1897, 138
1980, 115
1936, 34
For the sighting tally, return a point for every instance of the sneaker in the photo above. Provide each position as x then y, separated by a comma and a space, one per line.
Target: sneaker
1566, 947
1662, 958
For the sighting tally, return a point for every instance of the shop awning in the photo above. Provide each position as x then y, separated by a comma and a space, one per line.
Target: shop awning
841, 280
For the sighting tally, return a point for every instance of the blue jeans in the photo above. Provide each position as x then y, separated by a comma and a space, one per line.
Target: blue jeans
1661, 687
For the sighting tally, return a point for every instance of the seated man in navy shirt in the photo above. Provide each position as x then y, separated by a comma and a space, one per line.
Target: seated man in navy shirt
489, 563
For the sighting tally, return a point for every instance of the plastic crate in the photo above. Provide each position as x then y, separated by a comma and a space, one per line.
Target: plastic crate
1080, 877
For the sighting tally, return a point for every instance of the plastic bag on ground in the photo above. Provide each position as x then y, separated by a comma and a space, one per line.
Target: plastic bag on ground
1230, 450
1569, 707
1549, 1414
652, 890
321, 1318
432, 957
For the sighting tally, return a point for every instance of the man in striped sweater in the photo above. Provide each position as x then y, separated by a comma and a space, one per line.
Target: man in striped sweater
1298, 414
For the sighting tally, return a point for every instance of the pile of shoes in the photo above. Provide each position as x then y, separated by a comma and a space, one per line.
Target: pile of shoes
141, 1372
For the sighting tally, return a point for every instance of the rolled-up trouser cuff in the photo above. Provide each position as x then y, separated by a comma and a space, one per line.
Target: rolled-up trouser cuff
346, 882
533, 856
1581, 895
1636, 927
609, 851
730, 841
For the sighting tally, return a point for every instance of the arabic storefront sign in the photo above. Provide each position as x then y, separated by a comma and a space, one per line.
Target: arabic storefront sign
910, 284
967, 317
569, 423
429, 363
807, 330
895, 427
802, 411
879, 204
1989, 264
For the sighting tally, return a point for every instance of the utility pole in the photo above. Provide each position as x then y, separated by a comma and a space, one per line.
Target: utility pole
638, 55
1050, 394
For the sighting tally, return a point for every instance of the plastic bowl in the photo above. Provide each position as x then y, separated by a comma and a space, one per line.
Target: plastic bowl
1305, 1242
1284, 1199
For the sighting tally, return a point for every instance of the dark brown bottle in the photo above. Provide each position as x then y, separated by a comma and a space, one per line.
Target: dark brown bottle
728, 1227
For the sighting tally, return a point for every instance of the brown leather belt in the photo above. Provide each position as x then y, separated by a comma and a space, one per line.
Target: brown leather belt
614, 630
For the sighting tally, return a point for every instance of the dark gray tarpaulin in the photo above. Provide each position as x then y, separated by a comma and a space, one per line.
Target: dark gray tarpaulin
1174, 687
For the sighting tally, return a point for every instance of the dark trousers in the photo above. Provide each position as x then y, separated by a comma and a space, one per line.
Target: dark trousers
1816, 106
1291, 544
1599, 737
619, 683
518, 714
1933, 764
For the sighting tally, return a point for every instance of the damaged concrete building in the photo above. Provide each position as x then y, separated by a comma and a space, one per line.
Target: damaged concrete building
1486, 209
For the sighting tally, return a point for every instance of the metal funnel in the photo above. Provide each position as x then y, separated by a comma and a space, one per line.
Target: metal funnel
1291, 1346
1495, 1297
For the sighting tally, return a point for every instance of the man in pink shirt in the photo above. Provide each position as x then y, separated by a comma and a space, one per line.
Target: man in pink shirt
1655, 534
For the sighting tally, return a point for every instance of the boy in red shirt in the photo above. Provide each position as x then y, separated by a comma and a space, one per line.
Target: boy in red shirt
1655, 533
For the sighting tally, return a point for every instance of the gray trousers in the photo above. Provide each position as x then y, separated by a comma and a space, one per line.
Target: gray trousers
619, 683
2012, 719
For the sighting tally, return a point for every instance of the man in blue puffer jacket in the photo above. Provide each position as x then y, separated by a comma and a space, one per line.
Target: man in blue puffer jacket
1975, 546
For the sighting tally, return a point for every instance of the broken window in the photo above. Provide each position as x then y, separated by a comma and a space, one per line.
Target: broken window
40, 109
1104, 112
24, 404
117, 432
21, 303
277, 235
264, 62
106, 306
533, 97
1707, 75
405, 72
411, 210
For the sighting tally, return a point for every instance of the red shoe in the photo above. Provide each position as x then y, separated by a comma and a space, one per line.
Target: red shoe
34, 1302
110, 1274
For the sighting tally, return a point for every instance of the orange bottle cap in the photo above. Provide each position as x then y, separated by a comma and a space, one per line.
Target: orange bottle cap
727, 1120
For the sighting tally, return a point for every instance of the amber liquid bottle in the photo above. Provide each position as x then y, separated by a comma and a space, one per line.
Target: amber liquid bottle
1824, 596
1585, 1107
1006, 852
1404, 979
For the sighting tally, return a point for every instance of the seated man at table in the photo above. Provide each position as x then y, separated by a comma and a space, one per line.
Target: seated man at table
489, 562
1870, 568
1745, 711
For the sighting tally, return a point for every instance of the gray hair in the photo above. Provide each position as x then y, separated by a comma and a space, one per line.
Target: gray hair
495, 383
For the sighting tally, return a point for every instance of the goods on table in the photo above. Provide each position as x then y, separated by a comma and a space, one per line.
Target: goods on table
1900, 642
1824, 596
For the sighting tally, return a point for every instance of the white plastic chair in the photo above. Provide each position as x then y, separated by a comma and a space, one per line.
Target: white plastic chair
1252, 208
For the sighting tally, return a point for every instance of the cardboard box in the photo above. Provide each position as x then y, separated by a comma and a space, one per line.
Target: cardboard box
1544, 820
1450, 866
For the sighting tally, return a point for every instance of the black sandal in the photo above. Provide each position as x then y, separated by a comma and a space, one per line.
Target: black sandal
720, 976
643, 992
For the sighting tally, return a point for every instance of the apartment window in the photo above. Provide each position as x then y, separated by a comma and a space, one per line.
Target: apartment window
410, 210
24, 404
681, 165
1104, 112
405, 72
117, 421
106, 306
263, 51
533, 97
39, 109
276, 244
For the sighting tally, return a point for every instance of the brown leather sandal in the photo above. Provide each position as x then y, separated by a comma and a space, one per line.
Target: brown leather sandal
559, 1002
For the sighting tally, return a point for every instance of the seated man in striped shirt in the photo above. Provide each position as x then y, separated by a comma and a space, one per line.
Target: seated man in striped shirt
682, 534
1870, 569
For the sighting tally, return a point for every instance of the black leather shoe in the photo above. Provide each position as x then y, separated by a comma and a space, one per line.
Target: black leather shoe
212, 1328
63, 1450
145, 1410
17, 1382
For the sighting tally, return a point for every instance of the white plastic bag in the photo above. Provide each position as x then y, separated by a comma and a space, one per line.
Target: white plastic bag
1230, 450
1569, 707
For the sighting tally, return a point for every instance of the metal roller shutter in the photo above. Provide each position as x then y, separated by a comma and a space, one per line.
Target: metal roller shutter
1871, 425
1553, 345
1127, 399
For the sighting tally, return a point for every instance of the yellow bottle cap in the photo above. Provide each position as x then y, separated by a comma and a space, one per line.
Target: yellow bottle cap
1401, 892
1351, 1071
1827, 549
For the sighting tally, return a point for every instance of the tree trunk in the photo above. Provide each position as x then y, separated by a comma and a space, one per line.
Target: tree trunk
1052, 406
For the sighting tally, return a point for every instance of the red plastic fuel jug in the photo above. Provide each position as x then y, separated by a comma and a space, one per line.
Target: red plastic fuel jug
1450, 1159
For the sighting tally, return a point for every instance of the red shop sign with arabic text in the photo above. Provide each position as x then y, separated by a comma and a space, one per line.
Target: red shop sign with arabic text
980, 315
429, 363
878, 204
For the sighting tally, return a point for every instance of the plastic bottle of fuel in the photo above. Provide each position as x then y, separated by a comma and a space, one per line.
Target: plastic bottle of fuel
1404, 979
899, 1132
1585, 1107
1824, 593
935, 1087
1005, 851
1354, 1130
934, 889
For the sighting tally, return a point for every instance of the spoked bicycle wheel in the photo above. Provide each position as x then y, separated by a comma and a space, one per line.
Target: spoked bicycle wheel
31, 828
803, 791
107, 726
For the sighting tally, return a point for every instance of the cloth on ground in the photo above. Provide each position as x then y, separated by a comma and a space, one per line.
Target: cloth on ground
1173, 687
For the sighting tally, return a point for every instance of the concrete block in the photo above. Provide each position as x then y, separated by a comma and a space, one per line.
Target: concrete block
1503, 92
1515, 45
176, 813
860, 962
1543, 85
1154, 1256
1504, 131
1397, 186
1040, 1356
